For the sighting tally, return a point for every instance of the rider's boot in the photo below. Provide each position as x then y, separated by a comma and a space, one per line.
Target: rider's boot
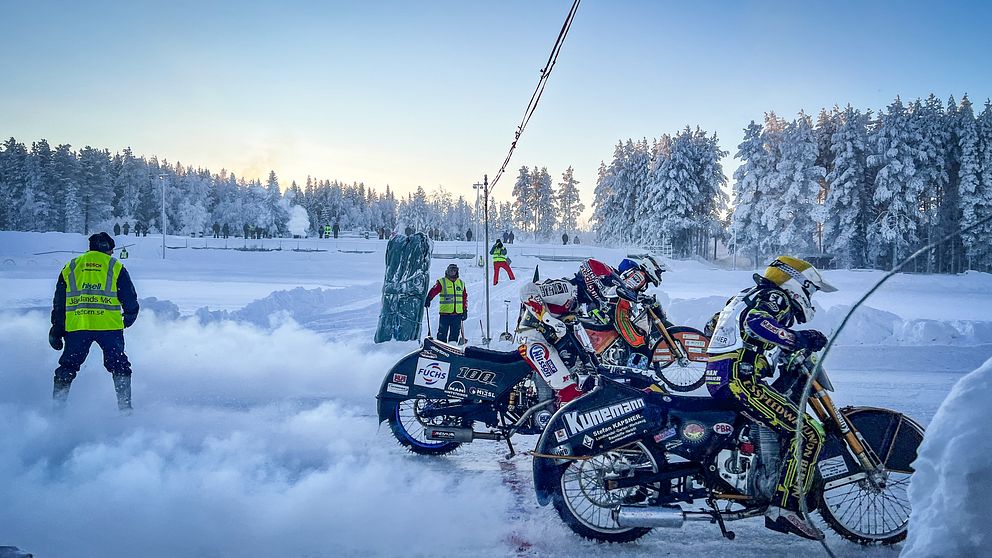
788, 521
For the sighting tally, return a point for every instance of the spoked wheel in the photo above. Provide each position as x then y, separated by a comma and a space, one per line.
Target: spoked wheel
585, 504
410, 428
875, 510
689, 374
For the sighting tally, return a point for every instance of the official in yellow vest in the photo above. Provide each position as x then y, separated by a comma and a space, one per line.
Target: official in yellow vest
94, 301
454, 304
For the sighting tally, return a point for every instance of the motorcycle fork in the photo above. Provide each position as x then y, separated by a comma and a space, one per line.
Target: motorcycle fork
676, 348
824, 408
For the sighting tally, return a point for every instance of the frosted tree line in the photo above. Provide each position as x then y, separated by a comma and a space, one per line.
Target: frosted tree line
868, 189
667, 189
539, 208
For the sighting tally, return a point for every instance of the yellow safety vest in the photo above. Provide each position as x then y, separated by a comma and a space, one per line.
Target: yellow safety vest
91, 302
499, 255
451, 296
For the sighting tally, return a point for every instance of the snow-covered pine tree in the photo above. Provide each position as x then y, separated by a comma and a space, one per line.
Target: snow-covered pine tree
932, 164
746, 227
797, 213
771, 183
650, 227
848, 203
543, 203
968, 174
712, 204
893, 147
523, 205
606, 204
50, 200
981, 200
96, 191
567, 202
14, 183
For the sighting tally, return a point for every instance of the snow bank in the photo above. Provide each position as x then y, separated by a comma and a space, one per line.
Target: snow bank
246, 441
871, 326
952, 486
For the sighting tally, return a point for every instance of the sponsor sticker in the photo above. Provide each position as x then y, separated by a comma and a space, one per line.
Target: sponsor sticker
445, 434
431, 373
398, 389
782, 333
540, 355
665, 434
561, 450
723, 429
560, 435
456, 389
693, 432
482, 392
833, 467
399, 378
580, 422
587, 441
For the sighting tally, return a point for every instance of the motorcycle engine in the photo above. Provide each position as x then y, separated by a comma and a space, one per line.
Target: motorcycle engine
764, 477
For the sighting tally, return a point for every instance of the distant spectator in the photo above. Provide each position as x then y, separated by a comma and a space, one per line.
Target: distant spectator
575, 239
117, 229
126, 228
225, 230
468, 235
336, 229
245, 228
506, 237
564, 238
216, 229
500, 261
511, 237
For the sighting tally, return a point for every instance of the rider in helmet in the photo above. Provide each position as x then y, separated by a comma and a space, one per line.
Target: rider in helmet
742, 352
542, 331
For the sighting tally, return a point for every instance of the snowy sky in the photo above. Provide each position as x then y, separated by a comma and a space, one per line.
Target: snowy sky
429, 93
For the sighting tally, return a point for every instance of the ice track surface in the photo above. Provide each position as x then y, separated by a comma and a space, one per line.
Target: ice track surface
255, 432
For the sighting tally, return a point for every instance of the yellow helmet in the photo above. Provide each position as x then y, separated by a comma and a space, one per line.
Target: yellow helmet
799, 279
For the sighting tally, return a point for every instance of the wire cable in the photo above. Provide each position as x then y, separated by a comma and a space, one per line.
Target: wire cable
808, 387
535, 97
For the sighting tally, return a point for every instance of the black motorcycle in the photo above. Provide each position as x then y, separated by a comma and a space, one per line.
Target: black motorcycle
618, 462
433, 397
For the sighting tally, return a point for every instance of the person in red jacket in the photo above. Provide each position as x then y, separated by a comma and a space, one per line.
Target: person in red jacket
454, 305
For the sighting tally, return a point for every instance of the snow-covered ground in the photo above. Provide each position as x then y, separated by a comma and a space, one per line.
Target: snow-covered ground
254, 432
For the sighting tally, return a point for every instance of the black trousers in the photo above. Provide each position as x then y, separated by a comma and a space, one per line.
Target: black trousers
449, 327
77, 347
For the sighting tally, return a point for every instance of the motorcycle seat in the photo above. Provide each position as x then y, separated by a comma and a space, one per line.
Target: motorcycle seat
492, 356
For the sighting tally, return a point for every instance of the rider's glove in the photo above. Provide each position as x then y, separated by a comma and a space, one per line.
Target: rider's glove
811, 340
55, 336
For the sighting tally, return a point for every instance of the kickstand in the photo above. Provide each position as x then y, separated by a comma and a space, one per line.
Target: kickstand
730, 535
509, 444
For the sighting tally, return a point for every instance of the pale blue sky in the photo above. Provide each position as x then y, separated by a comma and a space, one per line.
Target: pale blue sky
429, 93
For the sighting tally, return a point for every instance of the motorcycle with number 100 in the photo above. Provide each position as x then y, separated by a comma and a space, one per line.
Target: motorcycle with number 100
619, 462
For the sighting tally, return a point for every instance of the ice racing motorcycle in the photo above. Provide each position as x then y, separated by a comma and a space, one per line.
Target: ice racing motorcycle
675, 354
433, 397
618, 462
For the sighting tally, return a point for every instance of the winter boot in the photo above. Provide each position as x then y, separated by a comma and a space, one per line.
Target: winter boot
122, 385
60, 392
788, 521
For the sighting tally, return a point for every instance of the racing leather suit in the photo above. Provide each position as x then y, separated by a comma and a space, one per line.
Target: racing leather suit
543, 336
742, 352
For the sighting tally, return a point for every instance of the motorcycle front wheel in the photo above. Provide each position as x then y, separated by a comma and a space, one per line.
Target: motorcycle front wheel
868, 511
410, 428
585, 504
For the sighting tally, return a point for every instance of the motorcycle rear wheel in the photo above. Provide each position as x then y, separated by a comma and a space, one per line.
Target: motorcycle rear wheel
410, 429
861, 511
583, 502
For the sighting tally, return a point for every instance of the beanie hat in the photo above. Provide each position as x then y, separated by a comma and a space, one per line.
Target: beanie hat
102, 242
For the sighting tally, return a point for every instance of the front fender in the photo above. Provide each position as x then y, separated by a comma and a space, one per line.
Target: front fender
392, 390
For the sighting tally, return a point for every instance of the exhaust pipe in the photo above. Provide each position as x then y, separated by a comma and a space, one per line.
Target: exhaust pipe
650, 517
449, 434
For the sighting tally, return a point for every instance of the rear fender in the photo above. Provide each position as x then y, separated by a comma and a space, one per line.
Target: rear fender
610, 416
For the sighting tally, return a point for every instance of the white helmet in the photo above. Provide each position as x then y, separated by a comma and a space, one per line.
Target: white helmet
653, 269
799, 279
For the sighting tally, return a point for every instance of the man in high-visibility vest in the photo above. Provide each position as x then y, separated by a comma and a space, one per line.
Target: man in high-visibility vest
500, 261
453, 307
94, 301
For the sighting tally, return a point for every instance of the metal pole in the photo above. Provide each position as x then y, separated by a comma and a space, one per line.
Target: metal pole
477, 187
161, 179
485, 254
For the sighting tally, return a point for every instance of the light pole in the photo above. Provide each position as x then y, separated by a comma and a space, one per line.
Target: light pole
477, 187
161, 179
485, 254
